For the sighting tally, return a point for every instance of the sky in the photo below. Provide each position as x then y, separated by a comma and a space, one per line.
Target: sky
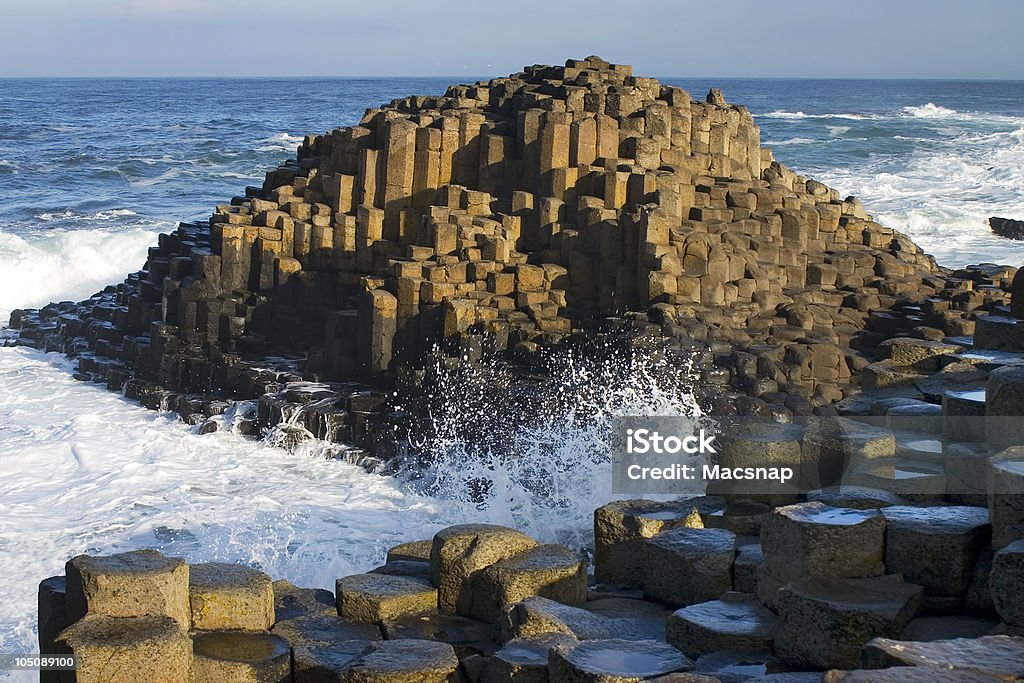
735, 38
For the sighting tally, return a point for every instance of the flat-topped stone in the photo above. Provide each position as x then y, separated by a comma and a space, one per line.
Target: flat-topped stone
460, 551
685, 566
855, 497
1006, 505
466, 636
963, 414
916, 481
550, 571
614, 661
935, 547
290, 601
826, 621
919, 354
416, 568
1001, 656
128, 649
414, 550
226, 596
323, 646
815, 539
928, 629
621, 526
403, 661
736, 621
746, 567
536, 616
1004, 407
761, 445
373, 598
999, 332
966, 468
835, 446
239, 657
132, 584
902, 674
523, 659
1007, 583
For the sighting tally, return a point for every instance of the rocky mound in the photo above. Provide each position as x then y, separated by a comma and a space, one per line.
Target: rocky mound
506, 216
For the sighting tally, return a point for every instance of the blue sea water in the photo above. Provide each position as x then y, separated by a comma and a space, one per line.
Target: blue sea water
92, 170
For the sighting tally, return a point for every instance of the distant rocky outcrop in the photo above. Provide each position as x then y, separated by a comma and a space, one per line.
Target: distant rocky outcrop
503, 217
1007, 227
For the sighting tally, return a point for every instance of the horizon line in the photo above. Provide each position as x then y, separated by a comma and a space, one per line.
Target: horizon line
486, 77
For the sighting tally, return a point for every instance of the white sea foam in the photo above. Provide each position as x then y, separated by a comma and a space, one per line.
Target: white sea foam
169, 174
281, 142
87, 472
930, 111
794, 141
802, 115
943, 196
66, 264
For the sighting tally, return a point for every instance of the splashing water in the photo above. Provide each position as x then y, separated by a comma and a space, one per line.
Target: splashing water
537, 456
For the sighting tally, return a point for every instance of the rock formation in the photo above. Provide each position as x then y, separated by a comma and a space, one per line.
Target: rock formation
1007, 227
505, 216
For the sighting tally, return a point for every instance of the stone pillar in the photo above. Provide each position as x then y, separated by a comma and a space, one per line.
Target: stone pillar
378, 310
398, 167
427, 171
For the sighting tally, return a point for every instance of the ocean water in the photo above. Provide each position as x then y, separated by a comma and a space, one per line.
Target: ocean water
92, 170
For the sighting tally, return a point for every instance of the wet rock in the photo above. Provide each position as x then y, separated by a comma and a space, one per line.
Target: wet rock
736, 621
814, 539
916, 353
53, 617
238, 657
966, 466
927, 629
900, 674
373, 598
747, 567
460, 551
834, 447
550, 571
621, 526
404, 568
1007, 227
614, 661
935, 547
128, 649
826, 621
1007, 583
536, 616
687, 566
416, 551
1006, 505
291, 601
403, 661
467, 636
133, 584
855, 497
1004, 406
1001, 656
963, 414
523, 659
230, 596
323, 646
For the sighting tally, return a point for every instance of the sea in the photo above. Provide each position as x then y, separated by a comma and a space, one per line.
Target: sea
92, 170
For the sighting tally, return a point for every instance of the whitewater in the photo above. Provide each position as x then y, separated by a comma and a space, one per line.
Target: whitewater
92, 171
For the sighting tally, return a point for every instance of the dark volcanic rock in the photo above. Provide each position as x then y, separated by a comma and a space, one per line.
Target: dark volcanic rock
1007, 227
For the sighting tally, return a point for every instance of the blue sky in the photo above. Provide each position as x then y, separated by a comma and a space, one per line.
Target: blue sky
737, 38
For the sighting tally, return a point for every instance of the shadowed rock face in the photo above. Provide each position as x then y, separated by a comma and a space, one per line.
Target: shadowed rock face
1007, 227
499, 218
